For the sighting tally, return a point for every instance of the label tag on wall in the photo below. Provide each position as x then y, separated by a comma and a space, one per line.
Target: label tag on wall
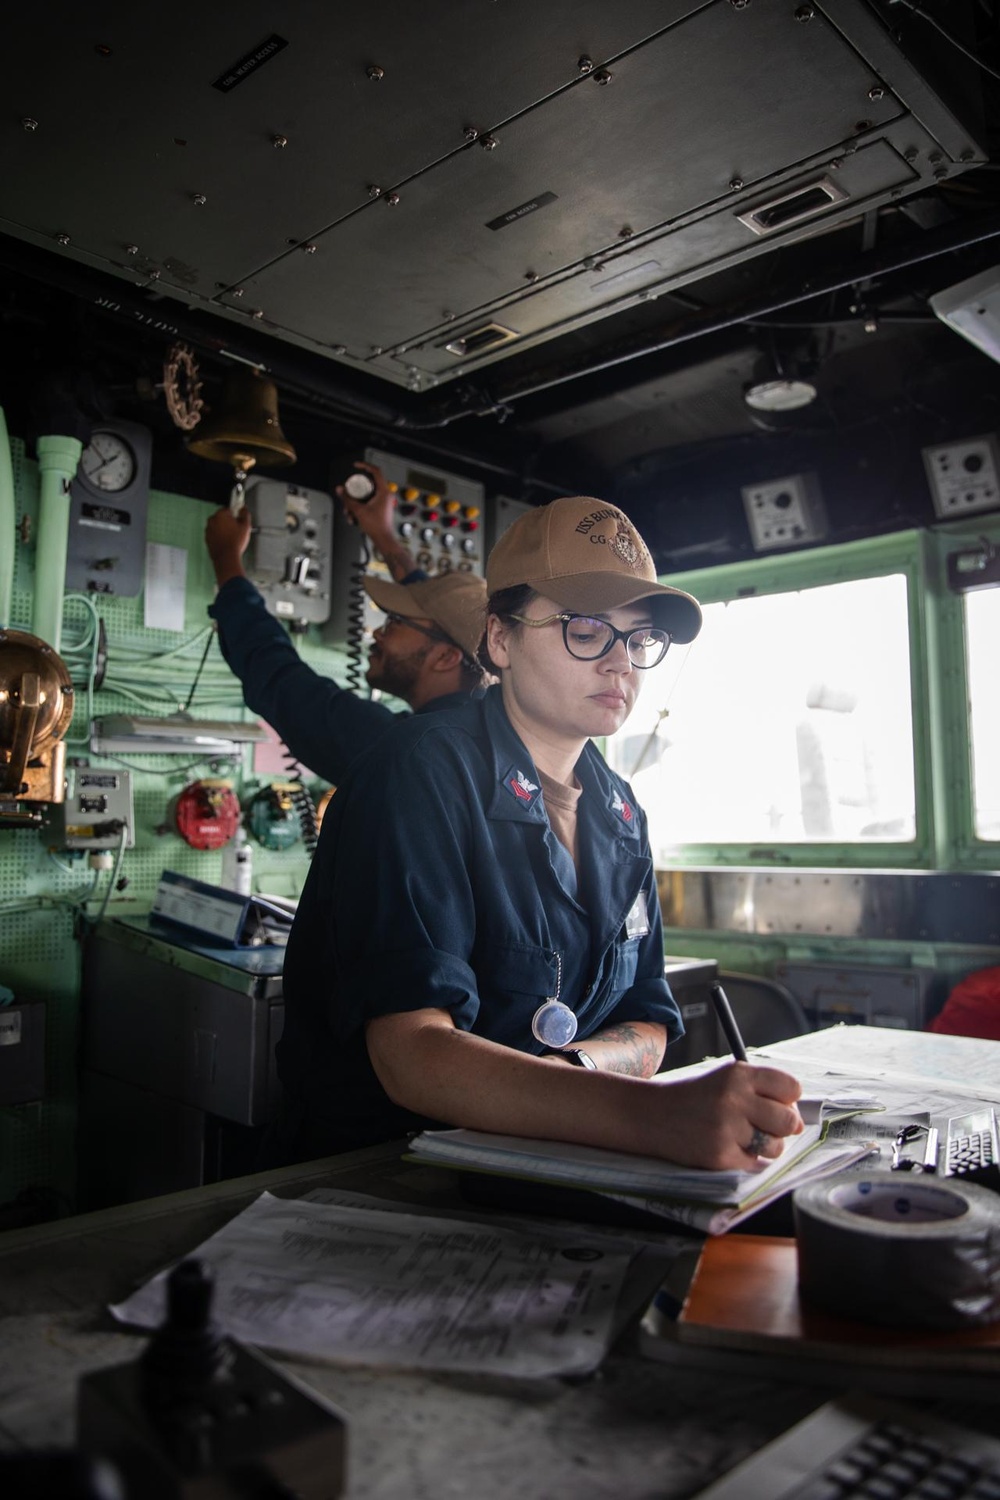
166, 579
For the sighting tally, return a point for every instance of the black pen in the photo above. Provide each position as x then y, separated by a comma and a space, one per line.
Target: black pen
727, 1021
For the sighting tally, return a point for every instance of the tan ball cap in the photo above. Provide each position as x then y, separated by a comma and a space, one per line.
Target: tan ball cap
455, 603
587, 556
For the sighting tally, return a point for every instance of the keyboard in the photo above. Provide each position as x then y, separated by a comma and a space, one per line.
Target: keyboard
970, 1149
864, 1448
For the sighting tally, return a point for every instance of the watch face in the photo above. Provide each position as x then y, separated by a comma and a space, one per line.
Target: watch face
108, 463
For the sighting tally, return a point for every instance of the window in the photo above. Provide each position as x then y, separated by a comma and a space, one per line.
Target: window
789, 721
982, 631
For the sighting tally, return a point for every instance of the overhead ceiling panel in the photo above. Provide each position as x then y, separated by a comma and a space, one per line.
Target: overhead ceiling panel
619, 151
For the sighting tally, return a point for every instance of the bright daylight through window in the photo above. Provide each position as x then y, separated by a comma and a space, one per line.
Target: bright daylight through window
789, 721
982, 626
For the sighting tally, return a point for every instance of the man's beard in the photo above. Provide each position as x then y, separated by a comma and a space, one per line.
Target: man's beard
396, 674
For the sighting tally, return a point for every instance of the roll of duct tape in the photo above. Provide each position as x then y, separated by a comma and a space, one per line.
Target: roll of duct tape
920, 1254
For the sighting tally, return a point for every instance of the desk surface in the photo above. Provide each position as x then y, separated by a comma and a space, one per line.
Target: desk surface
638, 1428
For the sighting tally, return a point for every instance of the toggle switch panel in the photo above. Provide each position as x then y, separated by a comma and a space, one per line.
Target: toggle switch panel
784, 512
964, 476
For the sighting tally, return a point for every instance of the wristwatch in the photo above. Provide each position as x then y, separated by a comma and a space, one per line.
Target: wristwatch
577, 1058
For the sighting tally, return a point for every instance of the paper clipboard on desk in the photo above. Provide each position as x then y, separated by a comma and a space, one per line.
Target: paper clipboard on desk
221, 917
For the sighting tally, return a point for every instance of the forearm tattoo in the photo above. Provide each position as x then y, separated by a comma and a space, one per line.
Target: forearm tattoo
638, 1052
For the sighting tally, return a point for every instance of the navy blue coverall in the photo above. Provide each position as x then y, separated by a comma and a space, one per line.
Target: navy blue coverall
323, 724
438, 882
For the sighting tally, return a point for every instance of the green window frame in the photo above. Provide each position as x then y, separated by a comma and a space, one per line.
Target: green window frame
912, 554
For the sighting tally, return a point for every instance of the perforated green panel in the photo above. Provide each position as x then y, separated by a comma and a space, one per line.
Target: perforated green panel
39, 929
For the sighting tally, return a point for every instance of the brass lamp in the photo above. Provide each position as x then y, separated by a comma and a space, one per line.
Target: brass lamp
36, 706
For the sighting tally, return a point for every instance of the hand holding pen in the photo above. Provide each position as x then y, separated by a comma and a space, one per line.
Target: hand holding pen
760, 1141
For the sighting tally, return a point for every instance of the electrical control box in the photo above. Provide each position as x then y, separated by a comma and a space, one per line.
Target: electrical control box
289, 556
785, 512
964, 477
439, 517
503, 512
97, 805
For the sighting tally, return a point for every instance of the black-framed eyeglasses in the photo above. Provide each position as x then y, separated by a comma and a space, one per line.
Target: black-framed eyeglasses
428, 630
588, 638
432, 634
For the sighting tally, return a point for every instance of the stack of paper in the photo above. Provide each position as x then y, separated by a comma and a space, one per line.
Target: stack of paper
710, 1201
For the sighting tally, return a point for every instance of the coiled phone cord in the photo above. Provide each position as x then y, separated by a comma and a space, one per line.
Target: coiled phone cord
305, 807
356, 619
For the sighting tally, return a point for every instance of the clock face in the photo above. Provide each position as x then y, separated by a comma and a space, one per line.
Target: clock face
108, 463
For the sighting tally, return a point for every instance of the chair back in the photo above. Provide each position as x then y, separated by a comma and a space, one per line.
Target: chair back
765, 1010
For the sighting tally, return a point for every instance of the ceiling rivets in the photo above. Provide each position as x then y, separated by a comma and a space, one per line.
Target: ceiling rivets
131, 249
602, 76
257, 313
626, 232
338, 348
309, 249
154, 275
531, 275
470, 133
376, 348
876, 91
804, 13
585, 64
374, 191
237, 291
392, 199
489, 142
62, 239
279, 141
198, 198
735, 183
739, 4
375, 73
28, 123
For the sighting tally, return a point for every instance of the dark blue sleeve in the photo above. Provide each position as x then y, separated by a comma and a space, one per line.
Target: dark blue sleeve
324, 725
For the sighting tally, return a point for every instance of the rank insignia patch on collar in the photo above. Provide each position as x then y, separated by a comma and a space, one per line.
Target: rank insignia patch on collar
520, 787
622, 808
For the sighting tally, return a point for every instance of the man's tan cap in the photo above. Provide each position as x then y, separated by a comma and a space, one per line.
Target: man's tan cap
456, 603
587, 556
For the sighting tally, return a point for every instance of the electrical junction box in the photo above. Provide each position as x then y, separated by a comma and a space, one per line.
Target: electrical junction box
96, 805
785, 512
862, 995
964, 477
503, 513
289, 555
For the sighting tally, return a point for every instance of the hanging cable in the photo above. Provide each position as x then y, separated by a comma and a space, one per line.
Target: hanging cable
201, 664
356, 618
305, 807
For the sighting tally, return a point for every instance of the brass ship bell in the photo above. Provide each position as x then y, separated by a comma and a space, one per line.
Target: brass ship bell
244, 430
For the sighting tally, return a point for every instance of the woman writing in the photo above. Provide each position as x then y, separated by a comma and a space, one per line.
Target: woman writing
479, 940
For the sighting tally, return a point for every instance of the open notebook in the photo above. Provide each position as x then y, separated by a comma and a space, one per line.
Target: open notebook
709, 1201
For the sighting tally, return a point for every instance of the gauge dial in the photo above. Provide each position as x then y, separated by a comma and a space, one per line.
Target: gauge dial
108, 463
